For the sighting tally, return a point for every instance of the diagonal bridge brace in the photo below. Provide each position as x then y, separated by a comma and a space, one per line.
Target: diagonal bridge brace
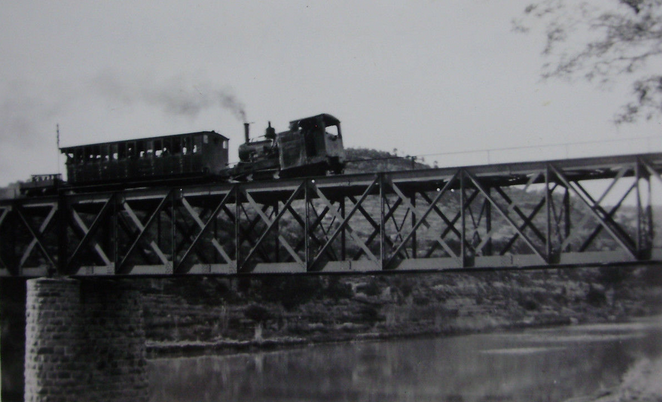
121, 268
344, 225
36, 236
504, 214
270, 225
203, 228
587, 217
319, 219
527, 219
450, 225
602, 216
377, 227
89, 234
422, 221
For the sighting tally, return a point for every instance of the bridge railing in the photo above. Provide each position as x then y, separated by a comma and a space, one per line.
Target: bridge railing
571, 150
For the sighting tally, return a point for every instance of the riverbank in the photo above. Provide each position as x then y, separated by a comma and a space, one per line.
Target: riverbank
200, 316
563, 363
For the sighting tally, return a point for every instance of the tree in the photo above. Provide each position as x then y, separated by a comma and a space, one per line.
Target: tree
602, 40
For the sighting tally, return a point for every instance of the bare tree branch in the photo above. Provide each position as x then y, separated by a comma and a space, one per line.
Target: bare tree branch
599, 42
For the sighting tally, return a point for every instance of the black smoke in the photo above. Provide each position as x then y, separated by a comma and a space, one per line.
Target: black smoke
179, 96
23, 114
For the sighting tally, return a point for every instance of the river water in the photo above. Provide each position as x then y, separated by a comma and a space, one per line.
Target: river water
552, 364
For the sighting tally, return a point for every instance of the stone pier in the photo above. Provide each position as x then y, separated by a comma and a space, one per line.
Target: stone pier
85, 340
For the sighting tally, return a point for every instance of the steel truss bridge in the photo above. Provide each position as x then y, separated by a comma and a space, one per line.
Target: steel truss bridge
538, 214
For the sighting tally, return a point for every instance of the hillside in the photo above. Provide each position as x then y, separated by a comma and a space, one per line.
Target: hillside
11, 191
364, 160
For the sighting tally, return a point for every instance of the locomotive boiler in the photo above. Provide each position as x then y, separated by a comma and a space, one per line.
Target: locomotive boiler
312, 146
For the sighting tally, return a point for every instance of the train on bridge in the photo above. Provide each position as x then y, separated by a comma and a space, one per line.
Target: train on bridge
311, 146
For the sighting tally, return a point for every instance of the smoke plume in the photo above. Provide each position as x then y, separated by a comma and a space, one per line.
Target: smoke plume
24, 114
176, 96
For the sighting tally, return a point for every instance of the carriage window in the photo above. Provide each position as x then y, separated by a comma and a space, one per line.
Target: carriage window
105, 153
158, 148
205, 139
96, 153
131, 149
225, 144
197, 144
140, 147
176, 146
186, 145
114, 152
149, 151
79, 156
166, 146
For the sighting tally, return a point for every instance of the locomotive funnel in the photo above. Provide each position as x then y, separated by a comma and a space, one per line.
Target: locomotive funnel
247, 132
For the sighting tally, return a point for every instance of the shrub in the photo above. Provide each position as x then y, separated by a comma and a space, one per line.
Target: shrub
596, 297
369, 314
652, 276
370, 289
290, 291
257, 313
421, 300
527, 301
613, 276
337, 290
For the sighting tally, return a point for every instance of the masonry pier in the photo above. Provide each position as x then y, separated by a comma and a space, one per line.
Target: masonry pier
85, 340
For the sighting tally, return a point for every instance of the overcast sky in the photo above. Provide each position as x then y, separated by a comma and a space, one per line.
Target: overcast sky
425, 77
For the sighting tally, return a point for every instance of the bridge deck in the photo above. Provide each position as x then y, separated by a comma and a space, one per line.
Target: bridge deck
533, 214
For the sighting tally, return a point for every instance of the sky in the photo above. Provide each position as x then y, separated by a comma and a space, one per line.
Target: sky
446, 80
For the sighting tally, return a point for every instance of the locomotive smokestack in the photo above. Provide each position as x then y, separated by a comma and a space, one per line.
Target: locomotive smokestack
270, 132
247, 132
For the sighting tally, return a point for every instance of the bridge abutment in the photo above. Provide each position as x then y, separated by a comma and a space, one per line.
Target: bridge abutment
85, 340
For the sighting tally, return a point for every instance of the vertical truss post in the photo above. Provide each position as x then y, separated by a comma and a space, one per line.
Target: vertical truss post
115, 222
276, 232
382, 222
463, 229
639, 246
217, 258
343, 238
548, 218
413, 225
488, 222
649, 214
306, 229
158, 231
566, 216
644, 212
173, 228
62, 244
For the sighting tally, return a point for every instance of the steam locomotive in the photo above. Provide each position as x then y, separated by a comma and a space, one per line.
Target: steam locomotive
311, 146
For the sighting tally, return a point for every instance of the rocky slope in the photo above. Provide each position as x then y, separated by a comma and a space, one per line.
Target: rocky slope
205, 315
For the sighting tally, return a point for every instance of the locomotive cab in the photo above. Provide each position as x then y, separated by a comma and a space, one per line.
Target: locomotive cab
314, 144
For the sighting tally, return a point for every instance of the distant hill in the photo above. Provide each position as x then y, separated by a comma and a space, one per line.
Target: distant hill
11, 191
364, 160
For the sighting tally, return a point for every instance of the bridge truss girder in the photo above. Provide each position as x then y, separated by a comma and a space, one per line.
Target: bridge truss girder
540, 214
